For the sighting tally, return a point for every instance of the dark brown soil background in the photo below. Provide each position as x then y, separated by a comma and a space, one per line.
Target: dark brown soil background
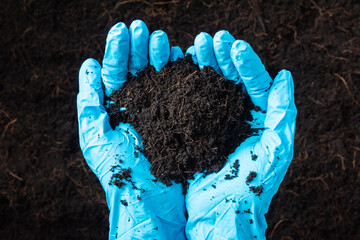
48, 192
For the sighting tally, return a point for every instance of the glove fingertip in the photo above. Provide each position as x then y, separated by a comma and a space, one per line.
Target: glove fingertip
281, 102
117, 30
191, 51
223, 41
176, 53
224, 35
252, 72
238, 49
201, 37
285, 75
89, 75
115, 62
159, 49
283, 80
205, 51
137, 23
139, 43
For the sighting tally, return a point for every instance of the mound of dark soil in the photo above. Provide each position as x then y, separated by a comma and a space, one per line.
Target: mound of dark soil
189, 120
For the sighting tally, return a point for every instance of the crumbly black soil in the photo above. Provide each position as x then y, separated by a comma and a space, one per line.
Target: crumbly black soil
189, 120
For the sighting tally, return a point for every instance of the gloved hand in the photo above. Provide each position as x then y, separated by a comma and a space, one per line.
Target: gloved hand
140, 208
231, 204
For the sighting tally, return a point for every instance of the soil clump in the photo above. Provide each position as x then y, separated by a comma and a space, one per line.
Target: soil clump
189, 120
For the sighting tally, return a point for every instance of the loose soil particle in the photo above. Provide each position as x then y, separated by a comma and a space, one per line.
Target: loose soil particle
234, 171
258, 189
251, 176
124, 202
121, 174
189, 120
253, 156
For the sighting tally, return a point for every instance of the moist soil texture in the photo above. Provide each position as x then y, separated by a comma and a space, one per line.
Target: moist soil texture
48, 192
189, 120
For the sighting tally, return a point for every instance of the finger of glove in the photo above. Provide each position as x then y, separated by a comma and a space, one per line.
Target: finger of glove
115, 63
205, 51
92, 117
222, 46
139, 46
278, 138
252, 72
159, 49
191, 51
176, 53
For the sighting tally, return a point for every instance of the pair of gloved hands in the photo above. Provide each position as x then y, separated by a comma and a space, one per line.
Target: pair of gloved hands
217, 208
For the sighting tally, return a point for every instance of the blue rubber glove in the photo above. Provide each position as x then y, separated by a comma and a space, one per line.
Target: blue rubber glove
141, 208
231, 204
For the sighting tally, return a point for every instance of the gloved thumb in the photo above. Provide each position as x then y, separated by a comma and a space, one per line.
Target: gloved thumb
278, 138
92, 117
